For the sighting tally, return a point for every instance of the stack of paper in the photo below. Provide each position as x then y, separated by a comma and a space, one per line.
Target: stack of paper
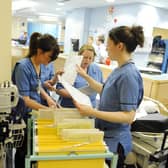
82, 135
46, 114
63, 113
74, 123
75, 93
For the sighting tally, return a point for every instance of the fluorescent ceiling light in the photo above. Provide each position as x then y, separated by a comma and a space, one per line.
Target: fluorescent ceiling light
47, 14
110, 0
60, 4
21, 4
48, 18
57, 9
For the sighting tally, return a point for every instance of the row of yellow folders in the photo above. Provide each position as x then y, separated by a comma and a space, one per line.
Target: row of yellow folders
64, 132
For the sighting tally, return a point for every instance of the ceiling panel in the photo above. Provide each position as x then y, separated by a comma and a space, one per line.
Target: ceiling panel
50, 7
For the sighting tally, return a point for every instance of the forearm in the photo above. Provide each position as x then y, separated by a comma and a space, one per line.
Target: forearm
53, 81
44, 95
33, 104
115, 117
63, 93
94, 84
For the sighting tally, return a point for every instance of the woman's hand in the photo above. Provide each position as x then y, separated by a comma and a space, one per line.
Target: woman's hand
48, 84
59, 72
84, 109
51, 103
81, 71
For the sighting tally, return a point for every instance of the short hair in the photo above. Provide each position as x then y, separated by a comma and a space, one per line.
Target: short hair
86, 47
101, 38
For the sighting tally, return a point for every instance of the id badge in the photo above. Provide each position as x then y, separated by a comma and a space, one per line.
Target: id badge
39, 86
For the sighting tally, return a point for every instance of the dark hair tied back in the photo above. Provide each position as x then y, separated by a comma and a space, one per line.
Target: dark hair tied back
44, 42
137, 31
129, 36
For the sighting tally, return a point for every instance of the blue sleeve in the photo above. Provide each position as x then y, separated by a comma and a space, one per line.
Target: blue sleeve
96, 73
22, 79
59, 86
47, 72
52, 71
128, 88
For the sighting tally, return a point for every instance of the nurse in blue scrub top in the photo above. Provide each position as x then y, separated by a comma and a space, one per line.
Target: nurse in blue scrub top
88, 53
29, 75
120, 95
31, 72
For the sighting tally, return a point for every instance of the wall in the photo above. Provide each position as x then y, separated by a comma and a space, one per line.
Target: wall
127, 15
138, 14
76, 27
19, 25
100, 22
5, 34
160, 31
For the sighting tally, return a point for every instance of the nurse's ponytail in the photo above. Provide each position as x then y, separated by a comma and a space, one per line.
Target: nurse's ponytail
33, 44
130, 36
45, 42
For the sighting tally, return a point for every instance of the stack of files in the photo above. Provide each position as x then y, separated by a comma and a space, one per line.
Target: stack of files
66, 113
81, 123
47, 141
82, 135
45, 114
84, 141
57, 114
59, 147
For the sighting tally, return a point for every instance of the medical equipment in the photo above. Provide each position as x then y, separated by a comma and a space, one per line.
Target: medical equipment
149, 139
11, 133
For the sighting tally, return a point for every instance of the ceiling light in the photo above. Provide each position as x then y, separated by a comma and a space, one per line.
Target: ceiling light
110, 1
47, 14
60, 3
48, 18
62, 0
57, 9
17, 5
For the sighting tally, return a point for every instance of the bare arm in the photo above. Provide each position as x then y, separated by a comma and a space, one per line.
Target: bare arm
63, 93
55, 77
49, 84
92, 83
45, 96
33, 104
115, 117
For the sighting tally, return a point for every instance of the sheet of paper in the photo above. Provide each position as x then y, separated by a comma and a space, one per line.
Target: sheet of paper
70, 73
87, 90
75, 93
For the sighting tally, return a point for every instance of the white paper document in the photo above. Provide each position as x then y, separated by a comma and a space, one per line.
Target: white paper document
70, 73
75, 93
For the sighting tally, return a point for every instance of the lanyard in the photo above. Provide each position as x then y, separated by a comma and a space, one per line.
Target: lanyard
39, 85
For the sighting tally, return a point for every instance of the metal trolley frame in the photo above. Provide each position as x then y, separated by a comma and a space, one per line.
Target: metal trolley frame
33, 157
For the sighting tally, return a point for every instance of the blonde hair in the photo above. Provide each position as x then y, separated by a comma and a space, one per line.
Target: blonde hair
86, 47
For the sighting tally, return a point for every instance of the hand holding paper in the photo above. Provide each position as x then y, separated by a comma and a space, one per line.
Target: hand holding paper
75, 93
84, 110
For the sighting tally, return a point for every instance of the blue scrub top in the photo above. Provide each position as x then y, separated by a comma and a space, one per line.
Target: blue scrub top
27, 80
93, 71
122, 91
